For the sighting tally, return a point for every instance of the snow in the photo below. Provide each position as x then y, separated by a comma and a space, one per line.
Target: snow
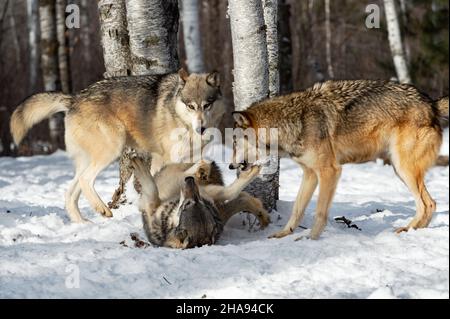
42, 255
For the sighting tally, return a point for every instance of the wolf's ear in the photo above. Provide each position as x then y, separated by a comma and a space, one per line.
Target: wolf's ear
241, 118
213, 79
183, 74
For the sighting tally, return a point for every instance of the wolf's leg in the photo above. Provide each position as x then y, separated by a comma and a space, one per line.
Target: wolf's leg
413, 152
307, 188
245, 203
149, 199
425, 205
232, 191
328, 180
73, 192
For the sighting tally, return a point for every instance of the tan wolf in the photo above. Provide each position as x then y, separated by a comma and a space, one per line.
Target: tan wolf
137, 112
339, 122
186, 206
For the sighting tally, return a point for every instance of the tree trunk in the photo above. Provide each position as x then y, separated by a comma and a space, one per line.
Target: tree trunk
63, 50
251, 74
190, 16
33, 33
270, 9
49, 65
13, 32
113, 26
153, 30
85, 32
328, 39
395, 41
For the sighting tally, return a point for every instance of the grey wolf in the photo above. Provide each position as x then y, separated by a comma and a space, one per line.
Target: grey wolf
186, 206
135, 112
339, 122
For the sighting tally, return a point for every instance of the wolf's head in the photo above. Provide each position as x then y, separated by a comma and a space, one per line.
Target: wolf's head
198, 219
199, 101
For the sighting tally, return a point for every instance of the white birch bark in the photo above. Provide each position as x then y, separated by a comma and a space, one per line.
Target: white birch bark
395, 41
190, 18
49, 64
114, 33
270, 8
153, 33
63, 52
328, 39
251, 72
33, 32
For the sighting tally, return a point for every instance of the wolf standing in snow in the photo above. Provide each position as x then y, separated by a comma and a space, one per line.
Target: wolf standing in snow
187, 205
341, 122
138, 112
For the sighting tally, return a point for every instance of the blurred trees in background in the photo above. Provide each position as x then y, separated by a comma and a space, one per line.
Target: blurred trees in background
354, 50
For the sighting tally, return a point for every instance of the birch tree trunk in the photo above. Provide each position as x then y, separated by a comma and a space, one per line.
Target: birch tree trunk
153, 31
33, 32
395, 41
191, 32
63, 50
328, 39
270, 9
251, 74
153, 34
114, 33
49, 64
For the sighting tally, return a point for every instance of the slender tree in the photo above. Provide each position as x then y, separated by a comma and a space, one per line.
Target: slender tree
395, 41
270, 9
251, 73
153, 31
49, 64
113, 26
328, 39
63, 50
191, 33
33, 36
85, 32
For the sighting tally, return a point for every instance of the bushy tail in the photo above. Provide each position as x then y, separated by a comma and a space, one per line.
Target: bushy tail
442, 106
34, 110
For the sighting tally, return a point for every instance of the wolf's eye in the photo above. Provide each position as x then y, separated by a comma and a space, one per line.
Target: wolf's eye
207, 106
190, 106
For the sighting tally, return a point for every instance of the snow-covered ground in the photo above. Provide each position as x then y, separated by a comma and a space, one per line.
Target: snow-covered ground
42, 255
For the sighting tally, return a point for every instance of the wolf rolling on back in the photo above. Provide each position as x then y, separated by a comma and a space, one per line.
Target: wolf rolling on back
137, 112
341, 122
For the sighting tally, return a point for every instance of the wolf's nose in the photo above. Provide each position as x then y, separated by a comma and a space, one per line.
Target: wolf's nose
201, 130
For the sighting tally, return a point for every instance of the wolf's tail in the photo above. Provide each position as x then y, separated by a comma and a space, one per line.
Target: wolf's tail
35, 109
442, 106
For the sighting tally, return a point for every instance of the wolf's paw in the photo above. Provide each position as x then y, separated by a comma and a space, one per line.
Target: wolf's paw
281, 234
402, 230
203, 172
105, 211
264, 219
